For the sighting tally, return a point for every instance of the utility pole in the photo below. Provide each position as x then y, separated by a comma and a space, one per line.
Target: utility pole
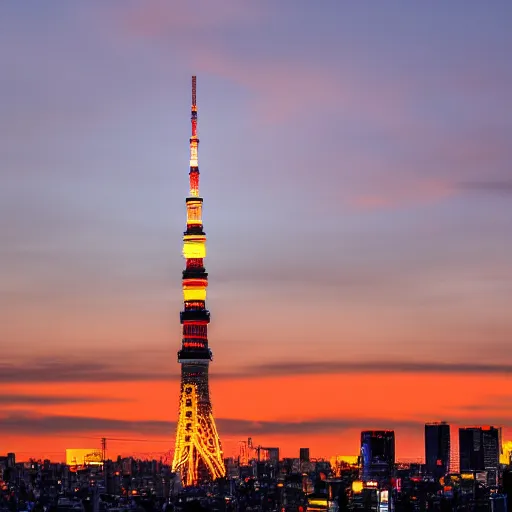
103, 457
103, 450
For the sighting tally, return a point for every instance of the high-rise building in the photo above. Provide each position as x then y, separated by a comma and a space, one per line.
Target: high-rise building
437, 448
479, 449
491, 442
454, 451
273, 455
198, 452
507, 486
304, 454
377, 454
470, 449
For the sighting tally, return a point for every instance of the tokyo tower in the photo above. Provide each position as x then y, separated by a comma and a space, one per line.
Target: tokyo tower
198, 452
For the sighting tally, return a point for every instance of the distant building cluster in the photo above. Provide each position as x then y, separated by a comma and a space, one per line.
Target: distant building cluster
84, 484
259, 480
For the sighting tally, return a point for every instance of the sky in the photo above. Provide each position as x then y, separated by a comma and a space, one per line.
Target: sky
356, 166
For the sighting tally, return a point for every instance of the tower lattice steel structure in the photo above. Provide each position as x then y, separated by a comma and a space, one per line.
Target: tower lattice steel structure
198, 452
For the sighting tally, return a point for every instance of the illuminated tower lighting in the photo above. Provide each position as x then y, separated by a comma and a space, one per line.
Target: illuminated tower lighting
197, 452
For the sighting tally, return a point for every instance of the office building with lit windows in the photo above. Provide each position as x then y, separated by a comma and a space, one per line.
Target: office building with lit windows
437, 448
479, 451
377, 454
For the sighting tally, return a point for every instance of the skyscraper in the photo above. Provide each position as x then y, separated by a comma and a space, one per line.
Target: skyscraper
304, 454
198, 452
491, 442
377, 454
437, 448
479, 449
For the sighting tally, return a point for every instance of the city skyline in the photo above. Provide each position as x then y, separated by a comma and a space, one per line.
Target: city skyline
358, 218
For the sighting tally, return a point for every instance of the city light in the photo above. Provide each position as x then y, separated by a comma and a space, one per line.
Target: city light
196, 440
357, 486
194, 246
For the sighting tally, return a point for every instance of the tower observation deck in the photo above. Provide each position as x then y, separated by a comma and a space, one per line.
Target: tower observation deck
198, 452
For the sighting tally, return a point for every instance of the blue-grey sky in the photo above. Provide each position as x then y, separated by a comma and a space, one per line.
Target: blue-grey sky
356, 165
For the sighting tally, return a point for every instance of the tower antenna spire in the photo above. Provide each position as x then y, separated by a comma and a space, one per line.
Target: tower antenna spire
193, 116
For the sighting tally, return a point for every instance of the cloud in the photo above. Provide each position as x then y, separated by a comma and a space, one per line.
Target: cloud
19, 399
161, 18
75, 371
50, 425
320, 425
41, 425
56, 424
431, 162
63, 371
489, 403
335, 367
403, 196
487, 187
280, 83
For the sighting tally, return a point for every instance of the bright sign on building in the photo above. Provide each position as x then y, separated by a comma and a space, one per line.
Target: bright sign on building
83, 456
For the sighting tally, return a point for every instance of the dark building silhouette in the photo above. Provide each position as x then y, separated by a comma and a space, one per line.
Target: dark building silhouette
507, 486
491, 441
499, 502
304, 454
377, 454
479, 450
470, 449
437, 448
273, 455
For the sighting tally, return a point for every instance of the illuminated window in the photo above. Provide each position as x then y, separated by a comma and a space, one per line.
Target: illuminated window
191, 305
194, 212
194, 294
195, 282
194, 289
195, 331
195, 263
194, 246
194, 183
193, 152
193, 344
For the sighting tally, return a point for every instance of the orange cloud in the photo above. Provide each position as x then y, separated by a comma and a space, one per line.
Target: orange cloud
160, 17
404, 195
82, 372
